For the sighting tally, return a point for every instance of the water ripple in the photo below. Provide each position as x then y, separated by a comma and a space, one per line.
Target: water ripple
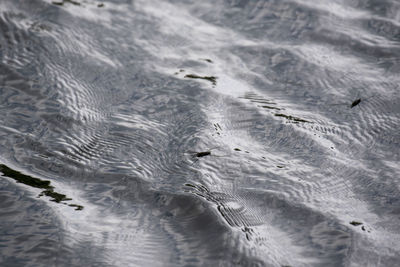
249, 133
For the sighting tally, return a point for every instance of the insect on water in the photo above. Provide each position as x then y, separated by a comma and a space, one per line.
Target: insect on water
355, 103
358, 100
201, 154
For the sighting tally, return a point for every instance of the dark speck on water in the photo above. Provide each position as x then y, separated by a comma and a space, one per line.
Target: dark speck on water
355, 223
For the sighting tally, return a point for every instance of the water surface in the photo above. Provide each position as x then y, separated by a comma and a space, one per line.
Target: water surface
199, 133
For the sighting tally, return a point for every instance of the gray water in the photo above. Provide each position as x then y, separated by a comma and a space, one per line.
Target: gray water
199, 133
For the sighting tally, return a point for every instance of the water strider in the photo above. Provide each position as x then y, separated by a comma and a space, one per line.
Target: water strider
355, 103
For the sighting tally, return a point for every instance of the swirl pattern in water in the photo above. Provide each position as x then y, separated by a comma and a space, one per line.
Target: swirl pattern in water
199, 133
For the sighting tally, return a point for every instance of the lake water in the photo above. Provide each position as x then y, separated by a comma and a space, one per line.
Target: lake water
200, 133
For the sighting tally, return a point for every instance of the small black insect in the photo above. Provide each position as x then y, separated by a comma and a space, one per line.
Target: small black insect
355, 103
196, 155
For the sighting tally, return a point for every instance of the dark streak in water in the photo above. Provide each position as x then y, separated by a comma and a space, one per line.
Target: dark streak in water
25, 179
66, 1
269, 107
291, 118
212, 79
37, 183
355, 223
72, 2
207, 59
58, 3
217, 128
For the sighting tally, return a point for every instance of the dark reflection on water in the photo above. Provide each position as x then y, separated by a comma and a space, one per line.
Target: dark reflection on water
212, 133
37, 183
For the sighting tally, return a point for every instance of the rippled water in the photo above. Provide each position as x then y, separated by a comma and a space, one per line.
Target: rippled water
199, 133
